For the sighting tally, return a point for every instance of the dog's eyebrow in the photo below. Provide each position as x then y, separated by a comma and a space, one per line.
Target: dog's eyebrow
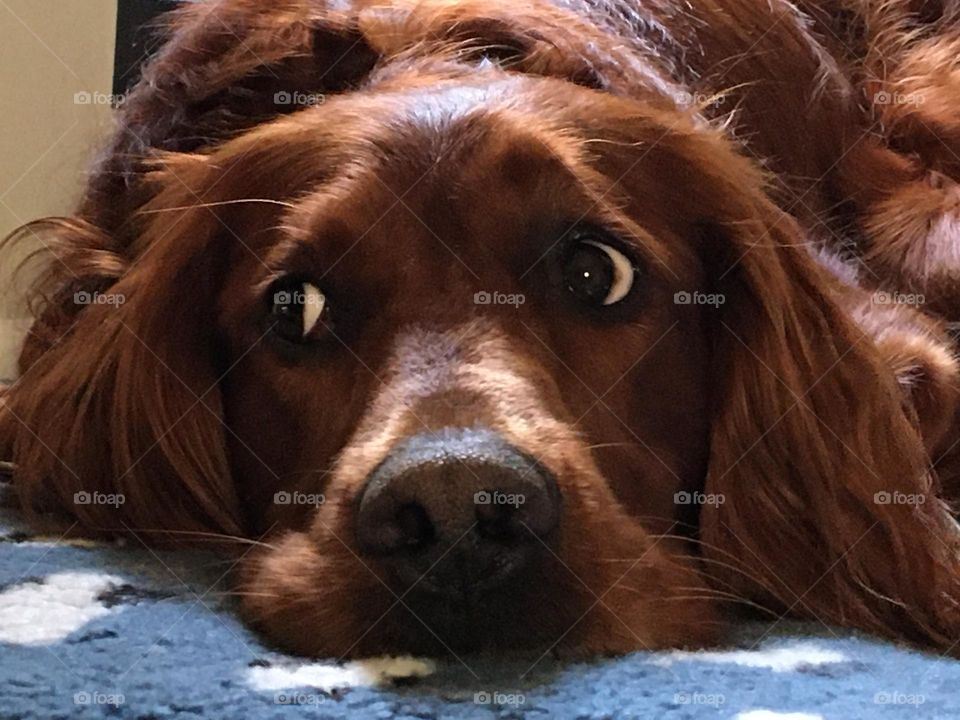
293, 253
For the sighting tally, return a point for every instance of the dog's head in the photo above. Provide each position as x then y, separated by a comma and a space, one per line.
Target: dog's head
469, 348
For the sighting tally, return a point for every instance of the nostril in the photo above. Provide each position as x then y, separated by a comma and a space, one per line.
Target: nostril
498, 522
416, 530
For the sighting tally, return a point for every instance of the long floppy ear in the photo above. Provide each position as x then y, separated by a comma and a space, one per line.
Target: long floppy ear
830, 509
118, 421
119, 397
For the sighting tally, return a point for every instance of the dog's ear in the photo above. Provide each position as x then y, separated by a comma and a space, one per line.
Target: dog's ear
227, 66
116, 422
828, 505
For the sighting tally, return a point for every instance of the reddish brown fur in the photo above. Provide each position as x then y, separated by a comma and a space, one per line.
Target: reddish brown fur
727, 145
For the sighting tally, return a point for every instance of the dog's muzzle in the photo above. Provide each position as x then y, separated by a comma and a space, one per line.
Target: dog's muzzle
457, 512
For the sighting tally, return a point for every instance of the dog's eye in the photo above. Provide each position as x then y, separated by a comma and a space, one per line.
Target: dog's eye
596, 272
298, 309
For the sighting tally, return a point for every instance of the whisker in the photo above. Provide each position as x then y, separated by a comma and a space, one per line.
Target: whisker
210, 536
706, 594
709, 597
732, 597
698, 558
220, 203
609, 445
714, 561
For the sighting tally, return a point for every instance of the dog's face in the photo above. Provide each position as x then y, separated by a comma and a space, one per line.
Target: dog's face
457, 337
470, 351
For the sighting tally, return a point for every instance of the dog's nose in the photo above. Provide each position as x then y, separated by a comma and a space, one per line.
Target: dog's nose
457, 511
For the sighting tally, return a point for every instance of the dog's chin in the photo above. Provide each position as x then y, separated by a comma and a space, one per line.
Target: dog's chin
313, 595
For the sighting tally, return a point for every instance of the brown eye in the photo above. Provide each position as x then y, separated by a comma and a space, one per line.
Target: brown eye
596, 272
298, 310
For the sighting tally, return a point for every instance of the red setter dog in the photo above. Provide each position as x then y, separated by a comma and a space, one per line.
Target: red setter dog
544, 325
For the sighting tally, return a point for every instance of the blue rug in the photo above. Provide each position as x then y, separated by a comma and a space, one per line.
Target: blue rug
94, 630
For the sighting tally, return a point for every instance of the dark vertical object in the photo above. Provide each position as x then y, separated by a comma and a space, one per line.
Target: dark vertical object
137, 39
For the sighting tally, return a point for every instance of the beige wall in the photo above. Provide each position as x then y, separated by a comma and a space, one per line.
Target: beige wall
50, 50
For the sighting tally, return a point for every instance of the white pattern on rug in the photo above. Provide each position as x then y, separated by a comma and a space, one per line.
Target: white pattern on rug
778, 659
41, 613
372, 672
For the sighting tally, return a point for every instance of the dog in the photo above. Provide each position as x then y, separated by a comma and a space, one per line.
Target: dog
555, 326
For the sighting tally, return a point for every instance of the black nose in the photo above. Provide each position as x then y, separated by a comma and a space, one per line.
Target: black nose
458, 511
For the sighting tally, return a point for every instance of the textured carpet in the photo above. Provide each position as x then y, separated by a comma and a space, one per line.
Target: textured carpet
89, 631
